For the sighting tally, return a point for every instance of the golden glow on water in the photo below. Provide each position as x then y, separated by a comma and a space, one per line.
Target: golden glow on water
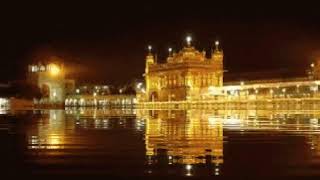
190, 140
187, 137
50, 133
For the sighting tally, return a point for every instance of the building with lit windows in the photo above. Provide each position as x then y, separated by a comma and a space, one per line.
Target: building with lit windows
101, 96
185, 75
188, 79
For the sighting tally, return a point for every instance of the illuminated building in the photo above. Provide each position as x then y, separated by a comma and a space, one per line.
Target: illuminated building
187, 79
185, 75
99, 96
190, 80
96, 100
51, 79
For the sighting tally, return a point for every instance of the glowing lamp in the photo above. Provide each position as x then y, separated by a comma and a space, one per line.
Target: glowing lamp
188, 167
217, 44
54, 69
284, 90
139, 85
170, 50
188, 39
149, 48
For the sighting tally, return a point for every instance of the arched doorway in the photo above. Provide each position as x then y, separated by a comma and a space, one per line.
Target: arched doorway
154, 96
45, 91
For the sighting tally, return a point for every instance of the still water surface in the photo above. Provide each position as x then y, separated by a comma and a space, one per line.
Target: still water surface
160, 143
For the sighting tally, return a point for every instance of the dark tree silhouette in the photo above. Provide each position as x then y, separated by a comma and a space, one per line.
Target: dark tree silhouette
22, 90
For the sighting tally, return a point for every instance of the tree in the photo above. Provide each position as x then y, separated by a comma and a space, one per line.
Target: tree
24, 90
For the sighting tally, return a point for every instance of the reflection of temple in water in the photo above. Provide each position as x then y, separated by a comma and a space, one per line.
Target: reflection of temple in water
190, 142
183, 137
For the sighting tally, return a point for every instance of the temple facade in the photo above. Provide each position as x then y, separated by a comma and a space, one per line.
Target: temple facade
193, 79
184, 76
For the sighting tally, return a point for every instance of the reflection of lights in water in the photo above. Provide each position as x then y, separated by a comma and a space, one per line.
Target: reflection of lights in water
34, 140
3, 111
216, 171
50, 142
188, 167
105, 124
314, 122
85, 124
54, 140
96, 124
4, 103
170, 159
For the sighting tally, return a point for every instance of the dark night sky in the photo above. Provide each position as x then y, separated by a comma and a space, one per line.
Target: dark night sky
107, 42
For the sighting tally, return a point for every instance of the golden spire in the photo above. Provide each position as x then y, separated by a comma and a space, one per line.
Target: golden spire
150, 58
216, 43
149, 49
170, 51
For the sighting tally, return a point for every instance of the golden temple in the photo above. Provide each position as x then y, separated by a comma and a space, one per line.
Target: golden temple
185, 74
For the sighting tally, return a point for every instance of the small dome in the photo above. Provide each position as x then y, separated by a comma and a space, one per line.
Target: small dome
187, 54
